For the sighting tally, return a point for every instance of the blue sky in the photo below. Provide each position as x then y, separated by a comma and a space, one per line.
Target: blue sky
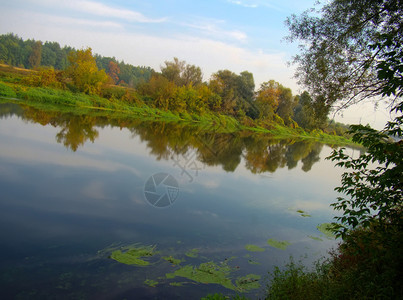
223, 34
237, 35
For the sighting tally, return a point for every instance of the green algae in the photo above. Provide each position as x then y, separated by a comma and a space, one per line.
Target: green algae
327, 230
133, 255
208, 272
315, 238
282, 245
177, 283
254, 248
248, 282
253, 262
172, 260
193, 253
151, 282
303, 213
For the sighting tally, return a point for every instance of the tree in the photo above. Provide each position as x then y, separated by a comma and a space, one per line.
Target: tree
34, 59
335, 64
267, 99
303, 112
84, 72
224, 83
182, 73
114, 71
353, 51
286, 104
236, 91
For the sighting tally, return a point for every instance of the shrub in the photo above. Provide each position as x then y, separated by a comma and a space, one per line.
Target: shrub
6, 91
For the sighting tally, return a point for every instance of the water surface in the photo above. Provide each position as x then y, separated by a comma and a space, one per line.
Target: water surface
73, 187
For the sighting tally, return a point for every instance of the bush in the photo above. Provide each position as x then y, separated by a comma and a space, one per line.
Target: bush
6, 91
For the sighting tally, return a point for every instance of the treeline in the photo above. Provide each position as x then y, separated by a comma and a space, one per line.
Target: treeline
31, 54
178, 87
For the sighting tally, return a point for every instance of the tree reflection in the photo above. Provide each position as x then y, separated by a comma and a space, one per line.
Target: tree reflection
260, 152
75, 131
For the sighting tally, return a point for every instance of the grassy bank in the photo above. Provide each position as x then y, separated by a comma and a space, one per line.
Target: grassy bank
65, 100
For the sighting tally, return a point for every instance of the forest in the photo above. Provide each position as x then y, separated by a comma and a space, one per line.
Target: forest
178, 87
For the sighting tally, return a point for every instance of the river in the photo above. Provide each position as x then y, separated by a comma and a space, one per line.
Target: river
77, 188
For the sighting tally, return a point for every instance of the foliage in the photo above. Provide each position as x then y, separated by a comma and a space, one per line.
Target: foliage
335, 63
358, 269
44, 77
236, 91
182, 74
352, 52
177, 89
6, 91
84, 72
295, 282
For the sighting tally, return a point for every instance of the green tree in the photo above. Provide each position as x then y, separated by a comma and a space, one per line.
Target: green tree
34, 59
224, 83
353, 50
84, 72
236, 91
267, 99
303, 112
336, 65
286, 105
182, 73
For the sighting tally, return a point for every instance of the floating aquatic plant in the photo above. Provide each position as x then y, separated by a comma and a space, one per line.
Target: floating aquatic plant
327, 230
208, 272
248, 282
133, 255
192, 253
315, 238
282, 245
172, 260
303, 213
150, 282
254, 248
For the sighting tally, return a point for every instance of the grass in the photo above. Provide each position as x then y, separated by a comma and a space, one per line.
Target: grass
368, 264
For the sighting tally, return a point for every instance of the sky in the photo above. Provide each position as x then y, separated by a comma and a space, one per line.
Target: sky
238, 35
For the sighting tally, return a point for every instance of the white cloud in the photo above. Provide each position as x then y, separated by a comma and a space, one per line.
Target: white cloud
212, 29
66, 21
99, 9
242, 3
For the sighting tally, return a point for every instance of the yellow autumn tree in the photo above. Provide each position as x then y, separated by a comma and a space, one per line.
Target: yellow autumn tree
267, 99
84, 72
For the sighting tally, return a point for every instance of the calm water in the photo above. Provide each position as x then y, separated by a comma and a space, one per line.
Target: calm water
73, 187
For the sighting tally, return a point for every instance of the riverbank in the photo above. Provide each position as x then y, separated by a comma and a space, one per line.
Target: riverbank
52, 99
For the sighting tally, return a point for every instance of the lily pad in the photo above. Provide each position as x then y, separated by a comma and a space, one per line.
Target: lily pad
282, 245
208, 272
254, 248
133, 255
248, 282
150, 282
326, 229
193, 253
